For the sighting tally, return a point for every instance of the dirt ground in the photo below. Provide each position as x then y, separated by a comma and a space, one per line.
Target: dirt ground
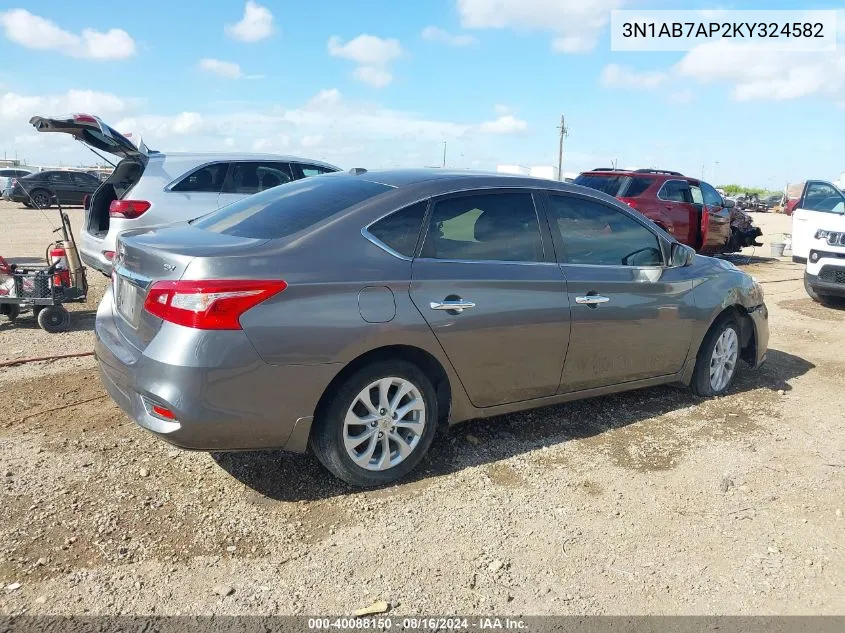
652, 502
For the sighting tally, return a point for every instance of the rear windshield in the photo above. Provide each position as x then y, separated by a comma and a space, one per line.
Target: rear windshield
290, 208
615, 185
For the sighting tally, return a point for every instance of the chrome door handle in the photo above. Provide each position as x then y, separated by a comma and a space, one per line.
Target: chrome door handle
457, 306
591, 300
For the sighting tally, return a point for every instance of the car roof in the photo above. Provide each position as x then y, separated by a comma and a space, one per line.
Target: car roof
220, 156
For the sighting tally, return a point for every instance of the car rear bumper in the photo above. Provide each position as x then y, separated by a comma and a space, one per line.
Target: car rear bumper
91, 252
219, 404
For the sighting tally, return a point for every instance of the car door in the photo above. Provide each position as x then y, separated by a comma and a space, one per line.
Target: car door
821, 206
61, 186
632, 317
716, 224
682, 214
83, 185
196, 192
248, 177
486, 283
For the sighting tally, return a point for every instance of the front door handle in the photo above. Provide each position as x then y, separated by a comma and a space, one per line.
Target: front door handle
591, 300
457, 305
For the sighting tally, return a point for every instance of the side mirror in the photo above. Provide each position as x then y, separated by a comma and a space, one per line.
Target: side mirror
681, 256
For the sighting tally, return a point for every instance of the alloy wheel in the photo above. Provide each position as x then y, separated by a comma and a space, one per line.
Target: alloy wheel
384, 424
723, 360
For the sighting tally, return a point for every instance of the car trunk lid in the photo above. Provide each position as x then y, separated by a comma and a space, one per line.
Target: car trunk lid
145, 257
91, 131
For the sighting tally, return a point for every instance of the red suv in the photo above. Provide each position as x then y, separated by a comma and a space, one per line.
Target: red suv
688, 208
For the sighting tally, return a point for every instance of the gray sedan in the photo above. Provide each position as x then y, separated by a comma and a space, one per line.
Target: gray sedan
350, 313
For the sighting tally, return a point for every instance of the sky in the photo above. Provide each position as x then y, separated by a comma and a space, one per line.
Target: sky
381, 83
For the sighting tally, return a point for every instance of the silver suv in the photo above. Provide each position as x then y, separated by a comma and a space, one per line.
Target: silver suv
150, 188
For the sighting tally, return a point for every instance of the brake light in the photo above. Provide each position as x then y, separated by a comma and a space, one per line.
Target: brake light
83, 118
109, 255
208, 304
629, 202
128, 209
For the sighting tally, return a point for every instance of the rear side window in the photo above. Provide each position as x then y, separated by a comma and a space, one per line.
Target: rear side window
58, 177
283, 211
401, 230
611, 185
251, 177
306, 171
636, 187
207, 179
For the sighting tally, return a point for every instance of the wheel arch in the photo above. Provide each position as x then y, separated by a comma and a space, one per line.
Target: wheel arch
747, 333
422, 359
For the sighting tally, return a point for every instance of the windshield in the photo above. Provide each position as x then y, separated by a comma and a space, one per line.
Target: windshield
287, 209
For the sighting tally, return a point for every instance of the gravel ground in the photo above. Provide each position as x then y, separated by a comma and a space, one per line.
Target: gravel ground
652, 502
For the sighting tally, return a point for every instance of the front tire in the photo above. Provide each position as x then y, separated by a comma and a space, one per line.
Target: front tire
378, 425
718, 357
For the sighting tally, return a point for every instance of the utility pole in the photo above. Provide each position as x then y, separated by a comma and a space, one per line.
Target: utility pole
564, 131
444, 153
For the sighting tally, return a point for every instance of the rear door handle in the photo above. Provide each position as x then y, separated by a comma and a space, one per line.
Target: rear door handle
458, 305
591, 300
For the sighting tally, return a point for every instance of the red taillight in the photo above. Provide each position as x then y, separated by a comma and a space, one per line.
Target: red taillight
705, 223
128, 209
109, 255
208, 305
83, 118
629, 202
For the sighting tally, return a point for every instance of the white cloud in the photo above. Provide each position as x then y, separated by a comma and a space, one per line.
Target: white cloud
575, 23
507, 124
34, 32
373, 54
616, 76
759, 74
313, 140
257, 24
436, 34
376, 77
230, 70
328, 126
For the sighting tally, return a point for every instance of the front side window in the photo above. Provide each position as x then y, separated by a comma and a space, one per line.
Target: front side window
595, 234
250, 177
675, 191
401, 230
711, 196
207, 179
490, 226
58, 177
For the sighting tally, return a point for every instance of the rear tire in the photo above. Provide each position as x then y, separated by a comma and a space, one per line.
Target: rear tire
42, 199
54, 319
717, 360
361, 453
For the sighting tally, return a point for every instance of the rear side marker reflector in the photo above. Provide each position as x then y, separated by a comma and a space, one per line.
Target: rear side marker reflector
162, 412
109, 255
208, 304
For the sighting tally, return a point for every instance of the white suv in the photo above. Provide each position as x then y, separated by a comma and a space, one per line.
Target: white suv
824, 278
821, 207
150, 188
